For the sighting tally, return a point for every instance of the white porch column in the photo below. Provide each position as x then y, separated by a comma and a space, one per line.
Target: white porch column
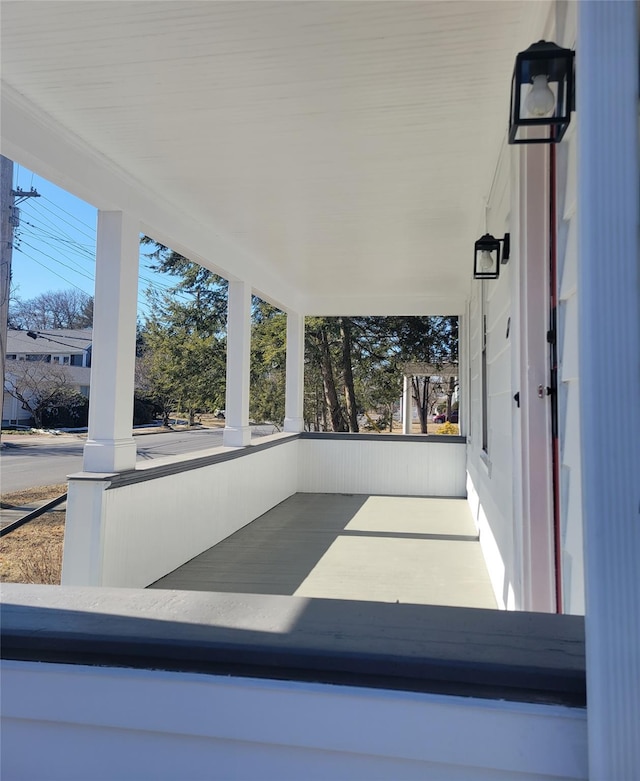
294, 393
110, 445
237, 432
463, 373
609, 342
407, 404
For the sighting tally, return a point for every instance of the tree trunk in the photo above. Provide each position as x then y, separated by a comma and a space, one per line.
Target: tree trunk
347, 371
328, 381
450, 389
321, 410
37, 417
421, 395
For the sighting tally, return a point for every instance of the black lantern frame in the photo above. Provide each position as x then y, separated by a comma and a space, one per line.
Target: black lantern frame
499, 255
542, 59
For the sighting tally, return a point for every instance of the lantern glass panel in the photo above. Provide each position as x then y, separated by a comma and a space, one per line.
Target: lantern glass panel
487, 262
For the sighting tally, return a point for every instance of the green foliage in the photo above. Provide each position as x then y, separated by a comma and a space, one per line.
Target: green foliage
268, 363
202, 295
380, 346
183, 341
66, 410
145, 410
185, 369
353, 364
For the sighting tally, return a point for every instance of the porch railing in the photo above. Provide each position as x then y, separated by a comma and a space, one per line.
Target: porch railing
131, 528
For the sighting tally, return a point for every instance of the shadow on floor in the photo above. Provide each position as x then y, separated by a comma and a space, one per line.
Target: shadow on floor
272, 555
414, 550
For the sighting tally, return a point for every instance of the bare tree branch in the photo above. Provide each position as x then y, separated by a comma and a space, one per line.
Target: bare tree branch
35, 384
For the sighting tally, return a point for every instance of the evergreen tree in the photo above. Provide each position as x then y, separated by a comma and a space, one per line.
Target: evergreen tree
354, 365
268, 363
183, 354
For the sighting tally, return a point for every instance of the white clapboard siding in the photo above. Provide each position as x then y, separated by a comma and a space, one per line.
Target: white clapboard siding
490, 473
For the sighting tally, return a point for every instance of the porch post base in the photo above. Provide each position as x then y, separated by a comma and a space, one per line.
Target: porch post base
84, 533
109, 455
407, 405
236, 436
293, 425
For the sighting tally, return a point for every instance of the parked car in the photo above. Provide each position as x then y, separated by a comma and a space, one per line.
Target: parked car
442, 417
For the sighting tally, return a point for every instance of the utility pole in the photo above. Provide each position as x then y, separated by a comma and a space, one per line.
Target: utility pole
6, 247
9, 219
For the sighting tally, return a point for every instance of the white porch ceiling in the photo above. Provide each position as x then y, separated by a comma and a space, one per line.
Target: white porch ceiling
336, 154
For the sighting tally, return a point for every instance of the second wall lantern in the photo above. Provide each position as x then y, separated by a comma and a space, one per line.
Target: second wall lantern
541, 94
488, 256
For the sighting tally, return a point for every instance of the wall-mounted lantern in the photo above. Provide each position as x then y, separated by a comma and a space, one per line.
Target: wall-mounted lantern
488, 256
541, 94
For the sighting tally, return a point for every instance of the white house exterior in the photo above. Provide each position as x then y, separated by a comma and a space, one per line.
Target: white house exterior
340, 158
69, 350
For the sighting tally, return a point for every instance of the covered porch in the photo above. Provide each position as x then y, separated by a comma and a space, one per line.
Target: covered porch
342, 158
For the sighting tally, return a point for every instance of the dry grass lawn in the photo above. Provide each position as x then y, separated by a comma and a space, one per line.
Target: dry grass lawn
33, 553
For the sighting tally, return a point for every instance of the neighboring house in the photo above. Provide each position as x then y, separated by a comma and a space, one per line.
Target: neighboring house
66, 351
344, 158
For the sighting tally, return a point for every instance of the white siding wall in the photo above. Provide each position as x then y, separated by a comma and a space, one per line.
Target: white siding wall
495, 489
73, 723
568, 382
12, 409
490, 474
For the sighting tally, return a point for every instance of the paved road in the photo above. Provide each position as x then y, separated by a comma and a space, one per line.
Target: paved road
49, 461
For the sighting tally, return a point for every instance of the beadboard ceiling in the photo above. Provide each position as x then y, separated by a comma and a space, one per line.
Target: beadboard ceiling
338, 152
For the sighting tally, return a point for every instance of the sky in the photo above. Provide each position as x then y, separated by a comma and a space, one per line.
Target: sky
54, 246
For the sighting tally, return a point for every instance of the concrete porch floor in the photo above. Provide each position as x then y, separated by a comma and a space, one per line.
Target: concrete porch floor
412, 550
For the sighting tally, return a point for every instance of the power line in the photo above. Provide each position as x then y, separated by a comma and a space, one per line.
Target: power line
67, 253
57, 216
83, 251
82, 274
86, 254
74, 216
43, 333
142, 304
82, 247
50, 270
52, 223
39, 335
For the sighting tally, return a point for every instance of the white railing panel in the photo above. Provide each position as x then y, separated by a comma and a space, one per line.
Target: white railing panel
151, 527
381, 465
73, 722
154, 527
